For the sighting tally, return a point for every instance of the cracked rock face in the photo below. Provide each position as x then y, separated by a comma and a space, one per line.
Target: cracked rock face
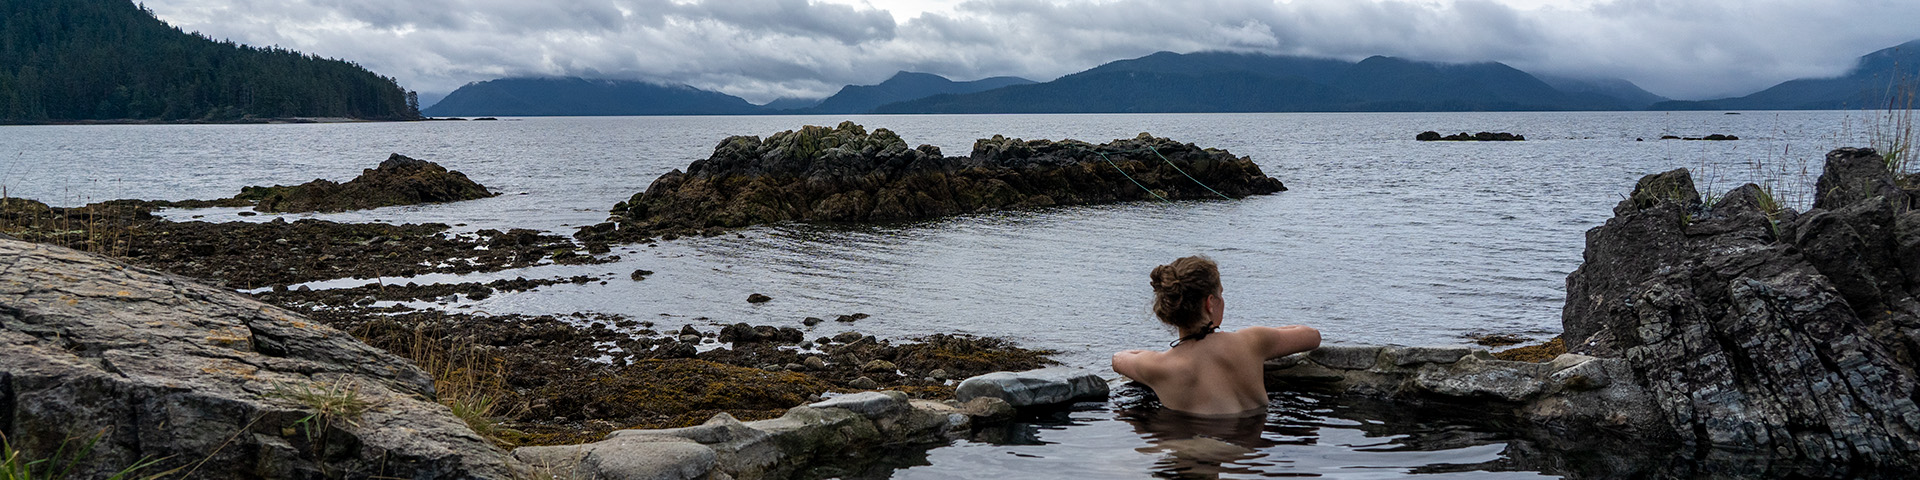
160, 367
1760, 329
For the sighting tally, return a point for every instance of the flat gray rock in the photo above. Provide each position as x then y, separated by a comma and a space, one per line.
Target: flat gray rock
186, 373
867, 404
1044, 386
1345, 357
623, 458
1404, 356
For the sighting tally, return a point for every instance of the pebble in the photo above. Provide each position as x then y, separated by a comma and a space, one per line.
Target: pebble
879, 366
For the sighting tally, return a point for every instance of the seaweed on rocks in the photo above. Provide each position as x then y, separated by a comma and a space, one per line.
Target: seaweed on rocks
400, 180
279, 252
846, 174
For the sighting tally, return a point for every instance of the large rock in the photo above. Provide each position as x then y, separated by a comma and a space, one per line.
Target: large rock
845, 174
399, 180
1759, 329
808, 436
1573, 393
1046, 386
160, 367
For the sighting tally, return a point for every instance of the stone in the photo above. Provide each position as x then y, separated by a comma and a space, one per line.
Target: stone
639, 275
864, 383
811, 321
177, 371
1345, 357
399, 180
623, 458
1046, 386
879, 366
1755, 328
1403, 356
758, 298
848, 337
815, 363
1472, 377
938, 374
845, 173
869, 404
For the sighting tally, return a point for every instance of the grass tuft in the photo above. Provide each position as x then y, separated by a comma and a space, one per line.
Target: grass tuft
15, 464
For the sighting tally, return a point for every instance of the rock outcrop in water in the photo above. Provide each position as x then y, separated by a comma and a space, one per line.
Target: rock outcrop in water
1758, 329
399, 180
202, 379
1432, 136
845, 174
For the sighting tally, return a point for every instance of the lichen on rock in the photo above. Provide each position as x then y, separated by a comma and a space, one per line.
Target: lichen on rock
400, 180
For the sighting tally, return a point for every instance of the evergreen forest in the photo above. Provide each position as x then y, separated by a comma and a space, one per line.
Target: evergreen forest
80, 60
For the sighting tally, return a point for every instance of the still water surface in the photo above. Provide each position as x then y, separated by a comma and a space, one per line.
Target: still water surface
1381, 239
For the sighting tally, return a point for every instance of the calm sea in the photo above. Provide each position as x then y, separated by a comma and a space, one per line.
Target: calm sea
1381, 239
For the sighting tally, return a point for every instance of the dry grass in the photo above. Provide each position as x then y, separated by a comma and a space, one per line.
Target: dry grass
469, 382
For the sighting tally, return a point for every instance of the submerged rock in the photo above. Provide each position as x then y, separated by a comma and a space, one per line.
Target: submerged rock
846, 174
159, 367
399, 180
1756, 328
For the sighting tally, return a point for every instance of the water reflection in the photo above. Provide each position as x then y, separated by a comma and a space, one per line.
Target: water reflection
1201, 446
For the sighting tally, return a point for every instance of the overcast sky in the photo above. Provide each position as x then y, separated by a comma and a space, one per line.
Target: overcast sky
763, 49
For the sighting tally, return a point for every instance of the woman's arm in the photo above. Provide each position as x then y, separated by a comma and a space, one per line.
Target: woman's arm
1129, 363
1276, 342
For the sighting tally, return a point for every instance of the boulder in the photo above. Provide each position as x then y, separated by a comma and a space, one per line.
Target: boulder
805, 437
1046, 386
1432, 136
1759, 329
157, 366
399, 180
1573, 393
847, 174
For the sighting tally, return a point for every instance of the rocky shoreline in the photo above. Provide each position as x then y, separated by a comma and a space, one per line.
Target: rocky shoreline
846, 174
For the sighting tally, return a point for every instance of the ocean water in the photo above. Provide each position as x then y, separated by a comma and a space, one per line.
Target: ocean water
1380, 239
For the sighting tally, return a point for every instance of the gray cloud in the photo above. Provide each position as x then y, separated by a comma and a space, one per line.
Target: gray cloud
762, 49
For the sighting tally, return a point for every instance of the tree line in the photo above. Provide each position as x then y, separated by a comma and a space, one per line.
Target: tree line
69, 60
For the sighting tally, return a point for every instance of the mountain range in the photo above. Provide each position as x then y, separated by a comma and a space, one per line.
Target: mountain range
1167, 82
1875, 80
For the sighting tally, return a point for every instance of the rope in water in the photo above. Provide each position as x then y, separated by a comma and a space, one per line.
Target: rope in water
1163, 158
1123, 173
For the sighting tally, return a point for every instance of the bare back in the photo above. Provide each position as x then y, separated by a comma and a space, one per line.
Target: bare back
1221, 374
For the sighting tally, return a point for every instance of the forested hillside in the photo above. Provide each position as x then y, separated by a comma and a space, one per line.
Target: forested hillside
71, 60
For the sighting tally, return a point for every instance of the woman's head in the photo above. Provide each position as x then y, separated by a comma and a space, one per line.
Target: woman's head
1182, 289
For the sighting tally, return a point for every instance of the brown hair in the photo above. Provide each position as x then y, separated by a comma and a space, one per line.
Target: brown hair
1181, 288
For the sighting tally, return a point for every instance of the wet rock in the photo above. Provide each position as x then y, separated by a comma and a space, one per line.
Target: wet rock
847, 337
397, 181
1044, 386
811, 321
1431, 136
758, 298
851, 318
938, 374
815, 363
181, 372
864, 383
744, 333
1760, 329
879, 366
846, 174
639, 275
1348, 357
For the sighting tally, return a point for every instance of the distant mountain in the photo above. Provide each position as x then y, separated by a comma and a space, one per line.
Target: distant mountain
577, 96
904, 86
68, 60
1867, 85
785, 103
1633, 95
1238, 82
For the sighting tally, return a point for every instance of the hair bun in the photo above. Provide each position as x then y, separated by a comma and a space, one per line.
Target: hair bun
1180, 288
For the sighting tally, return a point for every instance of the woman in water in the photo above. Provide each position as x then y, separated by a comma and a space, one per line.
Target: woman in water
1207, 372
